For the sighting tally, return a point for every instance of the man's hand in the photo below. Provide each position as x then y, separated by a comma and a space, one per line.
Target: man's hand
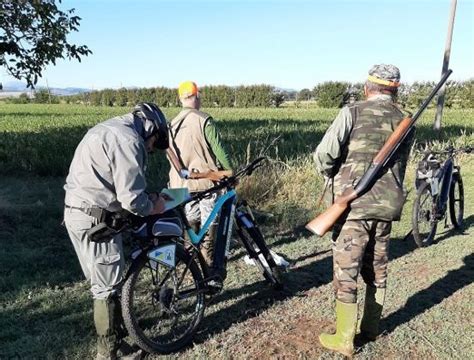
159, 202
153, 196
184, 173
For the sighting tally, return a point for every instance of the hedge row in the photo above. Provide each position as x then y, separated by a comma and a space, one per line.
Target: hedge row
460, 94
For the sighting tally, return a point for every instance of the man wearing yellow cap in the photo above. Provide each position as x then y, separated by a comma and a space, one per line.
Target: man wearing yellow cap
198, 146
361, 238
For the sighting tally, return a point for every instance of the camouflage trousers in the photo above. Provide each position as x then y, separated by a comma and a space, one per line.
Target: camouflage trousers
360, 246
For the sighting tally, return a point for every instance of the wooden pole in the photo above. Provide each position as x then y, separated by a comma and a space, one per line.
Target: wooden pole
447, 53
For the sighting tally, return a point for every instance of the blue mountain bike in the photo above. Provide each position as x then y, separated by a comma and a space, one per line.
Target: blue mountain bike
165, 291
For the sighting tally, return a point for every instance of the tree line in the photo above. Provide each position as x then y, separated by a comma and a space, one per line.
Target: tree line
331, 94
211, 96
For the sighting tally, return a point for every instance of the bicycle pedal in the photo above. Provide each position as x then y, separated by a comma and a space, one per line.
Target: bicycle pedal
214, 286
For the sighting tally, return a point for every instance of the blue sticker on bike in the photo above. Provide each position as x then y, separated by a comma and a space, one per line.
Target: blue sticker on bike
165, 255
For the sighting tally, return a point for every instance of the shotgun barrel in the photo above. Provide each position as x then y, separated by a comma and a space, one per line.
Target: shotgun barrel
324, 222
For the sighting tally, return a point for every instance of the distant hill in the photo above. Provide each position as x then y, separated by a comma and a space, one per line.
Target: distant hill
68, 91
15, 88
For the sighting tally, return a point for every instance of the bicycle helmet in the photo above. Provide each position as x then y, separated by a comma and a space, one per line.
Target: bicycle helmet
154, 122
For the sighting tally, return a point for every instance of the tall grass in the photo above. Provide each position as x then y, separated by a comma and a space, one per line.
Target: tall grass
45, 308
41, 139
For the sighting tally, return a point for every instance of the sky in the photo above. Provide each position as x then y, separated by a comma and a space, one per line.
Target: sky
289, 44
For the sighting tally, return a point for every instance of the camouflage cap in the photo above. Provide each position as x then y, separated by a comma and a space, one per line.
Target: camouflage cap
384, 74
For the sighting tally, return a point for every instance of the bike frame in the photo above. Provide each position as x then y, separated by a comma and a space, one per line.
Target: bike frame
440, 185
446, 177
225, 207
230, 196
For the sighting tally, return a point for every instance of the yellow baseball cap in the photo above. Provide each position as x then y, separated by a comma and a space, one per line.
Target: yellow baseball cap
187, 89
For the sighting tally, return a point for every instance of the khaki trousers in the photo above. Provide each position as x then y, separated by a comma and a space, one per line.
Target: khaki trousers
102, 263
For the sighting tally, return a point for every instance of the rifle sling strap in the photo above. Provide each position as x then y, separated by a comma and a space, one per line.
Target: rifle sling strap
173, 136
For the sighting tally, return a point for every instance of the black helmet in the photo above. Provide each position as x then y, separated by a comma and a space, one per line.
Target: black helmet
154, 122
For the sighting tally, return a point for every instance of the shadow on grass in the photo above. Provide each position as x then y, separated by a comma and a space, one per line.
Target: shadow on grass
318, 273
286, 238
45, 328
260, 296
467, 223
431, 296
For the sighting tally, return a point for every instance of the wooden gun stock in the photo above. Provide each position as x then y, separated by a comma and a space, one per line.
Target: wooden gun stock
324, 222
211, 175
174, 160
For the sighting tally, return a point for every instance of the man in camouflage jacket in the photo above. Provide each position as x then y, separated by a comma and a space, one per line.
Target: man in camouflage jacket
361, 237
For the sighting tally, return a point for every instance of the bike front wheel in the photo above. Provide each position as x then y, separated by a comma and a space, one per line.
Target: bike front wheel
254, 242
423, 216
456, 201
162, 306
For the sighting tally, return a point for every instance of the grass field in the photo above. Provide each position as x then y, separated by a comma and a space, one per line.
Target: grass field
45, 307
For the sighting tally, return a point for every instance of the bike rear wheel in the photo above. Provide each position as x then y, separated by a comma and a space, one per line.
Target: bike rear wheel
456, 200
423, 216
254, 242
162, 306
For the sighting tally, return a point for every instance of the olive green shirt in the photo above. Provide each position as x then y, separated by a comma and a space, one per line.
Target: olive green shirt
329, 150
214, 140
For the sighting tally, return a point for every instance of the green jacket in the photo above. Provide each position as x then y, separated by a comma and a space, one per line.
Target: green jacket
346, 152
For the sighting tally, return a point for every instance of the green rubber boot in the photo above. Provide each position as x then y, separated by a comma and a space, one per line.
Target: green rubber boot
105, 320
346, 322
374, 300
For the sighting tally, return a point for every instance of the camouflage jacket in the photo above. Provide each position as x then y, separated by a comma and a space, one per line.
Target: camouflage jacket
346, 152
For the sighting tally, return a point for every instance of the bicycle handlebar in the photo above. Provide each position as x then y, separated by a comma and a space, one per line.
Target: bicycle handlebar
231, 180
449, 150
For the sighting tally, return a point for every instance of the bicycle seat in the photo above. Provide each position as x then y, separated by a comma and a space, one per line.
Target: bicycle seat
168, 227
428, 163
163, 225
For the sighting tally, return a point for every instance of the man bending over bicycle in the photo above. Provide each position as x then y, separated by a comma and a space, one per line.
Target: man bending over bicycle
107, 176
197, 144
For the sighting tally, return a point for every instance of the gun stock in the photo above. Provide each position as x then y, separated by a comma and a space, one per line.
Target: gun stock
174, 160
211, 175
323, 222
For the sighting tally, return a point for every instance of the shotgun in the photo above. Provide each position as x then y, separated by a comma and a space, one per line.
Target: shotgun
185, 174
323, 222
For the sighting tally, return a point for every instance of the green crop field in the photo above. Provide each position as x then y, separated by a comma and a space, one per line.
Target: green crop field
45, 305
